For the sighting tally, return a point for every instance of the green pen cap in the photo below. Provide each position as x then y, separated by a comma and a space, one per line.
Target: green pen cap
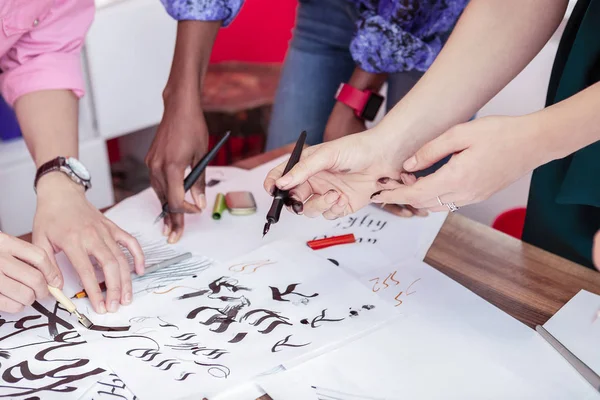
219, 207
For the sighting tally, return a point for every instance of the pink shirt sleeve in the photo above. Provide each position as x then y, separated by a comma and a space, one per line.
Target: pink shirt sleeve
48, 56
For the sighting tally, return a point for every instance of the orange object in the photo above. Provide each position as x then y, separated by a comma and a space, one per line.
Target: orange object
331, 241
511, 222
83, 293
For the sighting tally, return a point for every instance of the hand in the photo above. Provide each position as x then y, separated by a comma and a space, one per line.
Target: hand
489, 154
181, 141
337, 178
25, 273
66, 221
342, 122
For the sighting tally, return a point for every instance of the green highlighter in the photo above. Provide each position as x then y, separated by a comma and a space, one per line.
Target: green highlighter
219, 207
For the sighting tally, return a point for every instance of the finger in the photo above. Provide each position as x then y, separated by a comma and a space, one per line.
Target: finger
9, 305
424, 190
97, 247
399, 210
81, 261
39, 258
388, 183
28, 276
448, 143
132, 245
199, 187
125, 272
301, 192
294, 205
177, 225
176, 193
321, 159
408, 179
272, 176
338, 209
16, 291
318, 204
167, 226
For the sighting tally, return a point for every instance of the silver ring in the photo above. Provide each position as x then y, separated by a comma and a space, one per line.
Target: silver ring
452, 207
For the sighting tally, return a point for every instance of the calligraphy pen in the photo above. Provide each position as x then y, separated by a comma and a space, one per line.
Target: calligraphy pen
193, 176
69, 306
281, 196
149, 270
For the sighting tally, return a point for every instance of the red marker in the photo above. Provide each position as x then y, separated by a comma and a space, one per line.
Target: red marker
331, 241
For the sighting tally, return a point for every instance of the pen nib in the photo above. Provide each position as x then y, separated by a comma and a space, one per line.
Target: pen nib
266, 229
161, 216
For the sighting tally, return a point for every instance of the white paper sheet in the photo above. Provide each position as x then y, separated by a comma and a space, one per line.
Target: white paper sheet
451, 344
43, 356
280, 304
231, 236
577, 326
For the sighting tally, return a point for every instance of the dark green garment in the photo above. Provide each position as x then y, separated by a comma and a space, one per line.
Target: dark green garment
563, 212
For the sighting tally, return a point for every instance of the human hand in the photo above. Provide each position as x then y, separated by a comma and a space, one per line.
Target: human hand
489, 154
181, 141
342, 122
337, 178
66, 221
25, 273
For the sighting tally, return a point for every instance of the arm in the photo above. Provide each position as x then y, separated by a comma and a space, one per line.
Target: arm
342, 120
491, 43
182, 136
43, 79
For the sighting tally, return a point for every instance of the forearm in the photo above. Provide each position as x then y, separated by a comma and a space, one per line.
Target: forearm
492, 42
567, 126
193, 48
363, 80
49, 123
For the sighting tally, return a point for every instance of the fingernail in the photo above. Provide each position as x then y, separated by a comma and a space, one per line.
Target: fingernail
343, 201
284, 181
383, 181
56, 282
114, 306
202, 201
173, 238
410, 163
101, 308
166, 230
127, 298
298, 207
331, 197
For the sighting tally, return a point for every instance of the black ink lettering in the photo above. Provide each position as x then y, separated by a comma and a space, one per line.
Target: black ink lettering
285, 343
335, 262
184, 376
279, 320
278, 296
238, 338
321, 318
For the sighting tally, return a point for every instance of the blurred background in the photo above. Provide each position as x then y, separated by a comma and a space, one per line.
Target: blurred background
123, 104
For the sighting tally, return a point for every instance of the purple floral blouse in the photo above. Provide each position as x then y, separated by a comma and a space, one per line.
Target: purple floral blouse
392, 35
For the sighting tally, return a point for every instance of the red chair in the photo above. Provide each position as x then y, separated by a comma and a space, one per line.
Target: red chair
511, 222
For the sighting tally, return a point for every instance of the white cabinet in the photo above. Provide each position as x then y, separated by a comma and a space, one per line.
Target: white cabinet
17, 171
129, 51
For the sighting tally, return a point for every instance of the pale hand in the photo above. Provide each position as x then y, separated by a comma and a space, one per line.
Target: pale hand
66, 221
343, 122
488, 155
25, 273
338, 177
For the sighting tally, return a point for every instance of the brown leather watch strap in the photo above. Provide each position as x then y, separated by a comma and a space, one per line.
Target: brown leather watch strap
52, 165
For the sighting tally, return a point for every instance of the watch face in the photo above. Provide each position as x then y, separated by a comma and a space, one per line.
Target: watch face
78, 168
